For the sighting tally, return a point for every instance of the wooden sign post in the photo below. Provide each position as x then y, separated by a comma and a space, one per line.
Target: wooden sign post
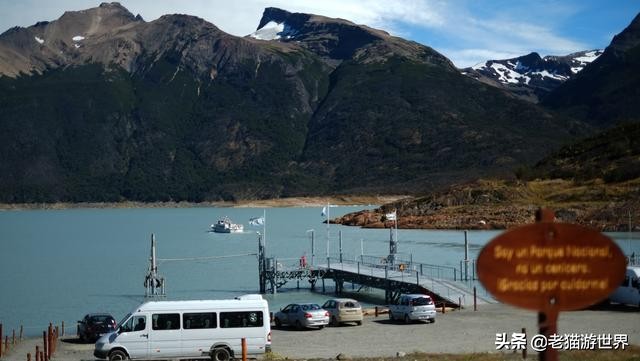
551, 267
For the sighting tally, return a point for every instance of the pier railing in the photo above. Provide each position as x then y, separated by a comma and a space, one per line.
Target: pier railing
397, 264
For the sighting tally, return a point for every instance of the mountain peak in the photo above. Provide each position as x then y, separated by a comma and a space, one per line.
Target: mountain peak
628, 38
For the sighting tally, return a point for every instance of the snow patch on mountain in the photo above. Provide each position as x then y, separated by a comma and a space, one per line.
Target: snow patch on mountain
507, 75
78, 38
274, 31
523, 69
41, 41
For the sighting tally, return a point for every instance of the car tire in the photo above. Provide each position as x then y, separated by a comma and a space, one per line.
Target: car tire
433, 320
278, 323
359, 323
220, 354
391, 316
298, 325
117, 355
320, 327
406, 319
334, 321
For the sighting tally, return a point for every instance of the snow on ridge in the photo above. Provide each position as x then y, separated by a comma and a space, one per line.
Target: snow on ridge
509, 76
588, 57
270, 31
479, 66
41, 41
547, 74
78, 38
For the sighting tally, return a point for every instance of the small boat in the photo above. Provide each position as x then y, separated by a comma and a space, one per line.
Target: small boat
224, 225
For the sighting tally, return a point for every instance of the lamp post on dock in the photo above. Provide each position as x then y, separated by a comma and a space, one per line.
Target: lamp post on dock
313, 247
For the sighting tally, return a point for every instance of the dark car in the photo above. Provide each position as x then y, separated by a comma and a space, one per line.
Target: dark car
94, 325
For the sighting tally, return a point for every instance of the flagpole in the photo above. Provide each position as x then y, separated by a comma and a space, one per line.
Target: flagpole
328, 217
264, 228
396, 223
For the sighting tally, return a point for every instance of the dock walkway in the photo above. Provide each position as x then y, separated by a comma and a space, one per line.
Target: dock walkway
438, 281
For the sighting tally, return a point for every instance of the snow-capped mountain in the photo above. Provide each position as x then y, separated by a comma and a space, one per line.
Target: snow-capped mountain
530, 76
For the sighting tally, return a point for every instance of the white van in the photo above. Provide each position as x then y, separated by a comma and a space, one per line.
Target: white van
190, 329
629, 292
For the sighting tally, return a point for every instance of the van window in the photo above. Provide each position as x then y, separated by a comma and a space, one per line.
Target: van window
241, 319
199, 320
166, 321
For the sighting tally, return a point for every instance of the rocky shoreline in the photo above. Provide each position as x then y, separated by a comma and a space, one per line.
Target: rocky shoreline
502, 205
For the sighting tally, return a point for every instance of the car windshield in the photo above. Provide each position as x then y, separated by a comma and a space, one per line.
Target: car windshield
124, 319
421, 301
311, 307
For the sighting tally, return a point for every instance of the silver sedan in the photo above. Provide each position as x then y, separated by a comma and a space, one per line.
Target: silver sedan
302, 315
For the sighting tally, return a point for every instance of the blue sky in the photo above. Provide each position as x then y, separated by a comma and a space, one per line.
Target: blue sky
465, 31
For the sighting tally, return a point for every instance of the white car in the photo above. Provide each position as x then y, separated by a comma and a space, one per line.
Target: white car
413, 307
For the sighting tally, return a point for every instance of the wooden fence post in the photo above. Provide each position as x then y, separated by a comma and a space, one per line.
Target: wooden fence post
45, 345
62, 329
244, 349
376, 311
13, 337
28, 356
475, 299
37, 353
21, 329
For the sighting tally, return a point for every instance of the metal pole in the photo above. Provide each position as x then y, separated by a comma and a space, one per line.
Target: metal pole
274, 287
340, 240
313, 247
466, 257
547, 321
361, 248
328, 229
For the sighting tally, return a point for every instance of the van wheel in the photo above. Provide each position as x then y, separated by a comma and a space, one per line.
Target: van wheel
220, 354
278, 323
406, 319
117, 355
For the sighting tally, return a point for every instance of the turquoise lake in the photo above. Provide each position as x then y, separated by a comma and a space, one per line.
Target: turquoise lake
57, 265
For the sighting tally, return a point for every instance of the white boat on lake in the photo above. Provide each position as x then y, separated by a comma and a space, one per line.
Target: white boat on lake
225, 225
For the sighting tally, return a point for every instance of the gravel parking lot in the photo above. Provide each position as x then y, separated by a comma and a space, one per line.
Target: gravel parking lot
463, 331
